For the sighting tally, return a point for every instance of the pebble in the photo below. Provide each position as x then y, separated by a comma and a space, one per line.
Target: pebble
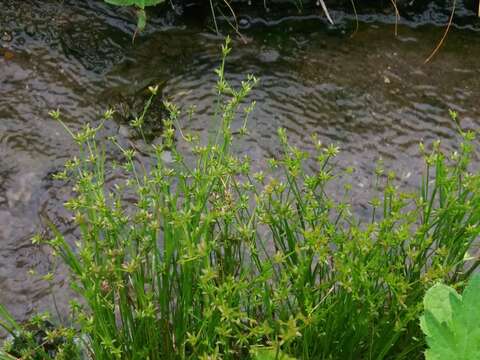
8, 55
7, 37
243, 23
124, 131
269, 56
167, 157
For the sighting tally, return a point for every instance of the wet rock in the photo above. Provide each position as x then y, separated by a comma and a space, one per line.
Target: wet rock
26, 185
6, 54
30, 30
129, 106
7, 37
269, 56
167, 157
124, 131
243, 23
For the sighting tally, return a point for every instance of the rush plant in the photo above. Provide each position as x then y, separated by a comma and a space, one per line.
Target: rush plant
200, 258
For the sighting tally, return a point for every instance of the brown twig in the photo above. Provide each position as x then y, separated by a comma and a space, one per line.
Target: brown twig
442, 40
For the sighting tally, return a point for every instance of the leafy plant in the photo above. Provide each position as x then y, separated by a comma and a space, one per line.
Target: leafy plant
142, 15
141, 5
37, 339
451, 322
200, 258
270, 354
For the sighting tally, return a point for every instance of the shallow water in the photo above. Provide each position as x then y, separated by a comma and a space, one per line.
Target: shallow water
369, 93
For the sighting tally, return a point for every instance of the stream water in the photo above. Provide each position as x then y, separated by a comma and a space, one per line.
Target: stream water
368, 92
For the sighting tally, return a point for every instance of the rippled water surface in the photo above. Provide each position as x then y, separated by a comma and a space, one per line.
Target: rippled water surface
369, 93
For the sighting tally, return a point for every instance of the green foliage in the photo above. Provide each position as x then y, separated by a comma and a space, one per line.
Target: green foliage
139, 3
196, 257
7, 322
37, 339
141, 19
451, 322
270, 354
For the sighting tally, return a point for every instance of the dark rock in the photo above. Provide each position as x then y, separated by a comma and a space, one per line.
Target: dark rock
30, 30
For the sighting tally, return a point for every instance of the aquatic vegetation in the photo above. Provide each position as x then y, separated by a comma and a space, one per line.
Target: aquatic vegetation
452, 322
197, 257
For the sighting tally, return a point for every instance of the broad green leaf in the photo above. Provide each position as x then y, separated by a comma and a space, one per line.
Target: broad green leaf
466, 323
437, 301
121, 2
140, 3
471, 295
141, 14
440, 338
452, 322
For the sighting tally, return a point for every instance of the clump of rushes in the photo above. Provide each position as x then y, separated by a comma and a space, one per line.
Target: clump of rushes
214, 262
37, 339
